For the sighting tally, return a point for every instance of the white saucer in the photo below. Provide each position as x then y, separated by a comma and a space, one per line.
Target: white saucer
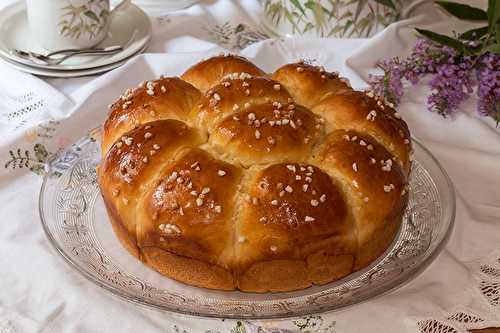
66, 73
130, 28
163, 5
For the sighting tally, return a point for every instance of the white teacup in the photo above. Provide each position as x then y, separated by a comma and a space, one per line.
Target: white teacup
64, 24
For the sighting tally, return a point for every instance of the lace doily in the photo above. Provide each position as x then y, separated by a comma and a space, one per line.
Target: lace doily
6, 326
480, 307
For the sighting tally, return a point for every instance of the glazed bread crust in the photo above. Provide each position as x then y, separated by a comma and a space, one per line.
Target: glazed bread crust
229, 178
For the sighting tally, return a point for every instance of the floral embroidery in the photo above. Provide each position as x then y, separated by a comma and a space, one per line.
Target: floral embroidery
6, 326
314, 324
164, 19
177, 330
47, 130
89, 17
239, 328
33, 159
235, 37
309, 324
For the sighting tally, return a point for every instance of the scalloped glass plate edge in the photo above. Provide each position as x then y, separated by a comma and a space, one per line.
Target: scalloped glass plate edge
312, 300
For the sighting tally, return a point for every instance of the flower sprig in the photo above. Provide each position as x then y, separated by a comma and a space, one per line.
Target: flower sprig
457, 64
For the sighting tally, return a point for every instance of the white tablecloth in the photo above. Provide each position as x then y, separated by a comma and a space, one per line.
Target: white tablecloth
40, 293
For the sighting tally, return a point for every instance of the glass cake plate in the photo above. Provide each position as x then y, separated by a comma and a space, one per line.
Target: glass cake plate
74, 218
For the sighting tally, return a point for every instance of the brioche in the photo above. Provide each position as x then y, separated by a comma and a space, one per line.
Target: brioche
233, 179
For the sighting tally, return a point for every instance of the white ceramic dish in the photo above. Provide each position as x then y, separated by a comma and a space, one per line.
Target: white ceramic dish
163, 5
130, 28
65, 73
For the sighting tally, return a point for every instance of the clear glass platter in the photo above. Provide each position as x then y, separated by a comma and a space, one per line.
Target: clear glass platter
75, 221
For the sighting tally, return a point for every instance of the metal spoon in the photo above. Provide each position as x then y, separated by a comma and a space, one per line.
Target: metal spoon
48, 59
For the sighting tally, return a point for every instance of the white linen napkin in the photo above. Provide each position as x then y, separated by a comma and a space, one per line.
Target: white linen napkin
26, 100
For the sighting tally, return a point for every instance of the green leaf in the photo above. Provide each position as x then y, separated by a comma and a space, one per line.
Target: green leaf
309, 26
38, 169
90, 14
463, 12
239, 328
344, 16
442, 39
297, 4
41, 152
309, 4
319, 19
346, 27
359, 8
334, 30
387, 3
474, 34
290, 19
362, 25
494, 48
63, 30
493, 13
325, 10
497, 32
335, 6
381, 19
239, 28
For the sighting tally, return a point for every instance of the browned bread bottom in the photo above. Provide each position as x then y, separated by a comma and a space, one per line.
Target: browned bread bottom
266, 276
187, 270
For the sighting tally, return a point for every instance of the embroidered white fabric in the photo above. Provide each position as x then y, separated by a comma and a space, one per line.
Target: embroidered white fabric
38, 116
25, 101
479, 306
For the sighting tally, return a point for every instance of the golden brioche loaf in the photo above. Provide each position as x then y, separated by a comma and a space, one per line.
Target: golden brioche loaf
230, 178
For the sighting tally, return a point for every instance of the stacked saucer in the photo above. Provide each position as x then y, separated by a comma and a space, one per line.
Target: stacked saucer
129, 28
156, 6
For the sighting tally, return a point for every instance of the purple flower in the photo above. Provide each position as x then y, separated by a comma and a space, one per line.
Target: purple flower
451, 85
452, 80
488, 91
425, 58
389, 84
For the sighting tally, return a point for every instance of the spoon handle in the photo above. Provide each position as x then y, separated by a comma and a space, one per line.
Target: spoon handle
88, 52
97, 49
